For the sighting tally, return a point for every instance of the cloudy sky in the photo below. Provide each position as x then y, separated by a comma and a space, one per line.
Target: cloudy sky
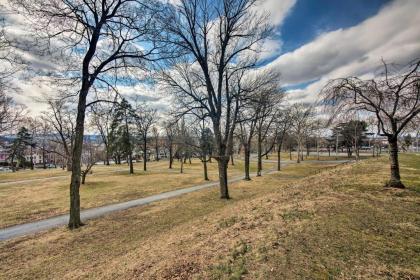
315, 41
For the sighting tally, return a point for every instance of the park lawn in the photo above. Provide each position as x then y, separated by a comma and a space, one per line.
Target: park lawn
300, 223
313, 156
34, 200
39, 173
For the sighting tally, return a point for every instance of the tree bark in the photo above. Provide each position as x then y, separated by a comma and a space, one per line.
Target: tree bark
83, 177
171, 157
206, 177
223, 178
259, 152
145, 155
130, 160
298, 152
278, 156
69, 165
247, 154
395, 181
107, 156
74, 221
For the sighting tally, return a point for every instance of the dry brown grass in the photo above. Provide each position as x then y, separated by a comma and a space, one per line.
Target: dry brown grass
337, 224
40, 199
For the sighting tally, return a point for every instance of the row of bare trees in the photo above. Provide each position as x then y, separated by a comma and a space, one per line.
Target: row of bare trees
202, 53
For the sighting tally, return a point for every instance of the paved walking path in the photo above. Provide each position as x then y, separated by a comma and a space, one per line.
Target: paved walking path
49, 223
53, 222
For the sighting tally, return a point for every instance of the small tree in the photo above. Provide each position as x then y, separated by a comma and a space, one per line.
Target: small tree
90, 156
393, 98
302, 114
145, 118
18, 147
283, 122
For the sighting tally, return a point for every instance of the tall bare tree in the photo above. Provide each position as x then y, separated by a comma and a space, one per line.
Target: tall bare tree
393, 97
170, 140
101, 40
283, 121
217, 39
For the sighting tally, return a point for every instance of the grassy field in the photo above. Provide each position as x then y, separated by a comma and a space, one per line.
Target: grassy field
305, 222
37, 199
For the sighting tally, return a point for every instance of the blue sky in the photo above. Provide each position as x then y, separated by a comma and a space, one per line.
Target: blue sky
315, 41
309, 18
320, 40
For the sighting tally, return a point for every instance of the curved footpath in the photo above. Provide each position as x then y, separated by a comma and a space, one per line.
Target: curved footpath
61, 220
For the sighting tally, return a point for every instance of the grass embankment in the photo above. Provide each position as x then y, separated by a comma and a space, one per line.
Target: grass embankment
337, 224
32, 200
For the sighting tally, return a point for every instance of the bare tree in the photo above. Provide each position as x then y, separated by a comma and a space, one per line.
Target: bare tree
99, 40
11, 114
268, 102
60, 116
101, 119
145, 118
90, 156
156, 138
393, 98
302, 114
217, 39
283, 121
170, 138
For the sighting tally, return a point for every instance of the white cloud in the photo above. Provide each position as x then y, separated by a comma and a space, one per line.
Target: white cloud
393, 34
276, 9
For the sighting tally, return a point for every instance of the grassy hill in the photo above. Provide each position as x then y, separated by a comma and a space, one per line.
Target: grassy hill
309, 221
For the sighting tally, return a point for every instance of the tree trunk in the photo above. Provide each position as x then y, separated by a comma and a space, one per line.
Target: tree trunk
231, 160
395, 181
13, 166
259, 157
171, 157
130, 161
32, 159
107, 157
247, 154
278, 156
317, 148
83, 177
43, 159
74, 221
266, 149
298, 152
206, 177
144, 155
336, 146
223, 177
69, 165
182, 165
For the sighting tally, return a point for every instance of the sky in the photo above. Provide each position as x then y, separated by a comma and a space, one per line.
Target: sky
315, 41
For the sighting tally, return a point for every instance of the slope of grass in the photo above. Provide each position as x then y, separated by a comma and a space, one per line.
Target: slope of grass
33, 200
301, 223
